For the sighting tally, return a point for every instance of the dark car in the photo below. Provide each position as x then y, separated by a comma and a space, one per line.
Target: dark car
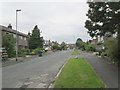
40, 53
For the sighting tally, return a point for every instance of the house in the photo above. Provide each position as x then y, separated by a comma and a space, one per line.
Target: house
100, 40
22, 38
97, 40
71, 46
47, 45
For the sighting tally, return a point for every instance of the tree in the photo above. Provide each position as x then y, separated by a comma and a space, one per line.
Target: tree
55, 46
78, 42
35, 41
63, 46
102, 17
8, 42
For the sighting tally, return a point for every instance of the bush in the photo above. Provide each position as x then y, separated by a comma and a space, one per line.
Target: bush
111, 48
12, 54
8, 42
89, 47
27, 51
35, 51
56, 47
23, 52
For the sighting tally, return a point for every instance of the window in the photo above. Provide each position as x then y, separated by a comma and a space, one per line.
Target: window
7, 33
14, 35
20, 37
25, 38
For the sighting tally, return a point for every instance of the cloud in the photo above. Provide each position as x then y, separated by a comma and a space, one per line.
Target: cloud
57, 21
44, 0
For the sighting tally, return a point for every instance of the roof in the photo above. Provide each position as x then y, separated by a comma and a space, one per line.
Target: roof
12, 31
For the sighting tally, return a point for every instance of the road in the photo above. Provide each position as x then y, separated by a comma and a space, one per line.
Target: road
35, 73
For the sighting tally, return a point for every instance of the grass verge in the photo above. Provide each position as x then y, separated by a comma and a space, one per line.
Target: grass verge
76, 52
77, 73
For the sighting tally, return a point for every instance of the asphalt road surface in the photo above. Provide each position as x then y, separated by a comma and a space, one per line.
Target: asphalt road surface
38, 72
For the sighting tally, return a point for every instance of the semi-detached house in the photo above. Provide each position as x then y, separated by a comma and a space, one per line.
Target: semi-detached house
22, 38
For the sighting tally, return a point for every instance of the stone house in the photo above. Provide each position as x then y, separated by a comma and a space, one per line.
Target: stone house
22, 38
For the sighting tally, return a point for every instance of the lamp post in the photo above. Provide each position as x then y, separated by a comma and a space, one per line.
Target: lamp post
74, 41
17, 35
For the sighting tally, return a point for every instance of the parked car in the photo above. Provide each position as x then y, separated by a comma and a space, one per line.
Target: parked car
46, 49
3, 54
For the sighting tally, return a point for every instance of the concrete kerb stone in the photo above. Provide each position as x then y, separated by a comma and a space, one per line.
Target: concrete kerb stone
57, 75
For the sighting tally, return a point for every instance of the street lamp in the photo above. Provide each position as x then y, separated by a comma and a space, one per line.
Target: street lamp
17, 36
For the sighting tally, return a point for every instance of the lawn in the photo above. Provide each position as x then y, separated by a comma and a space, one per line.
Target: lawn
77, 73
76, 52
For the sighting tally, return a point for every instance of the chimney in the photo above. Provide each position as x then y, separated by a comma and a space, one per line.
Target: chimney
10, 26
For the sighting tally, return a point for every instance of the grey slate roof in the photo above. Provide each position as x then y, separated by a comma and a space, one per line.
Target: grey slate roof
12, 31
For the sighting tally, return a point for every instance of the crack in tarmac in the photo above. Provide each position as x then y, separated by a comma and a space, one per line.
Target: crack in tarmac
42, 81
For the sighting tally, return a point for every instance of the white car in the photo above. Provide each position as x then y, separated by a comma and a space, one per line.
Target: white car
3, 54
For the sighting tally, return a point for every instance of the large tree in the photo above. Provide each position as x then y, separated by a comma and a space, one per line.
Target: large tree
102, 17
78, 42
35, 40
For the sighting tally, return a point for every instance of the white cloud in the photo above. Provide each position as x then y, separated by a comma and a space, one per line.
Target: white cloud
43, 0
63, 19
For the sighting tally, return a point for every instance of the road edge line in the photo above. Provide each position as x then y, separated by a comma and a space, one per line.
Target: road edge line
57, 75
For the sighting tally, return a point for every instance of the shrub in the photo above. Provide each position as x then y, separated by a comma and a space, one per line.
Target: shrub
35, 51
22, 52
12, 54
27, 51
111, 48
56, 47
8, 41
89, 47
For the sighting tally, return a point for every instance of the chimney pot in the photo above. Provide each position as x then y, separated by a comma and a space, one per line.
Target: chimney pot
10, 26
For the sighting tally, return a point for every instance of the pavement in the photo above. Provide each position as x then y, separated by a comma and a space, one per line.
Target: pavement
12, 61
37, 72
107, 71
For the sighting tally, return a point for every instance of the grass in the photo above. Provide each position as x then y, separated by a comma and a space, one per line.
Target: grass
76, 52
77, 73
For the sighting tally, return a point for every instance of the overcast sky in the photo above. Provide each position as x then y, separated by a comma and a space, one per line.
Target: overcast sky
58, 21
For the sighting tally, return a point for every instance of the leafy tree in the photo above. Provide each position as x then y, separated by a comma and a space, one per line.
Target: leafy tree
78, 42
56, 47
8, 42
83, 45
63, 46
103, 17
35, 41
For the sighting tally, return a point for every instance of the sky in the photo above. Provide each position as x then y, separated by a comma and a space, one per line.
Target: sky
58, 21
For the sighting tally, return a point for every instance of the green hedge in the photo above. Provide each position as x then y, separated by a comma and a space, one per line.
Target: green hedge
23, 52
35, 51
